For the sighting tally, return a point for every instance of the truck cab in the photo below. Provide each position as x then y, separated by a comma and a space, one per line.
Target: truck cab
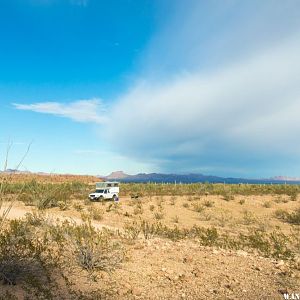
105, 190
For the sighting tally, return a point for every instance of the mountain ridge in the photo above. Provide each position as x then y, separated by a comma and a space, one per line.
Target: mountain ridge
193, 178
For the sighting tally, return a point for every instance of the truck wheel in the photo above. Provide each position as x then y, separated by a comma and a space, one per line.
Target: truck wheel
100, 198
115, 198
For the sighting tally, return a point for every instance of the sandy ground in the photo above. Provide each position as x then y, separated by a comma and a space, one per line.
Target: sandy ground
162, 269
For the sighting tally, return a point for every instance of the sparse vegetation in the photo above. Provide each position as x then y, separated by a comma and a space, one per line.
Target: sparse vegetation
242, 201
208, 203
198, 207
43, 253
267, 204
292, 218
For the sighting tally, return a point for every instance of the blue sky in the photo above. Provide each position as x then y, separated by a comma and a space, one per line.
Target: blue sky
143, 86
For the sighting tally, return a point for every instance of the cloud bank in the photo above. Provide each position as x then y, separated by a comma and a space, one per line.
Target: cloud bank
91, 111
220, 92
237, 119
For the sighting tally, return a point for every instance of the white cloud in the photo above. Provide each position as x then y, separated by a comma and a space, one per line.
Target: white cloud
241, 115
81, 111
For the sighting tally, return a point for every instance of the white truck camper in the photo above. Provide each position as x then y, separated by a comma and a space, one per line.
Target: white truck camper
105, 190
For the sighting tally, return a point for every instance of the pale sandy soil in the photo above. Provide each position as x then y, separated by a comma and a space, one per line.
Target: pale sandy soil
162, 269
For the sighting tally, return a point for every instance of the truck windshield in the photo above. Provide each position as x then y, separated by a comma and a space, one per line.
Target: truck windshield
99, 191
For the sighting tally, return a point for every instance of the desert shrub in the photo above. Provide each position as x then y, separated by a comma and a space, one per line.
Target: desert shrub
151, 207
113, 207
159, 215
93, 250
293, 195
96, 213
175, 219
148, 229
208, 203
22, 253
248, 217
208, 236
132, 230
171, 233
205, 216
267, 204
46, 195
26, 199
185, 205
35, 218
228, 196
78, 206
138, 210
198, 207
292, 218
279, 199
223, 219
281, 214
242, 201
274, 244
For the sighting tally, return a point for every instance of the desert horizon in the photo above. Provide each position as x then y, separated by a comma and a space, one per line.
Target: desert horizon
149, 149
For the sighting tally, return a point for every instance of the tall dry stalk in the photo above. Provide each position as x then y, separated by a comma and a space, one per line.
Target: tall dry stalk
5, 178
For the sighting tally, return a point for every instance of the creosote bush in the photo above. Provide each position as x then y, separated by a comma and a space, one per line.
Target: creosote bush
198, 207
292, 218
38, 254
274, 244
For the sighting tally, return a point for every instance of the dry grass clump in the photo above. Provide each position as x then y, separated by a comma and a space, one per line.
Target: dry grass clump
228, 196
96, 213
248, 218
185, 205
138, 210
242, 201
159, 215
267, 204
198, 207
293, 195
208, 203
78, 206
292, 218
223, 219
151, 207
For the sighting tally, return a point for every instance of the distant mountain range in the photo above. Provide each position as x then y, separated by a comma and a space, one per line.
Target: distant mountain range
178, 178
193, 178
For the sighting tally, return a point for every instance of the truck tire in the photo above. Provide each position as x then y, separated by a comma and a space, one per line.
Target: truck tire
101, 198
115, 197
